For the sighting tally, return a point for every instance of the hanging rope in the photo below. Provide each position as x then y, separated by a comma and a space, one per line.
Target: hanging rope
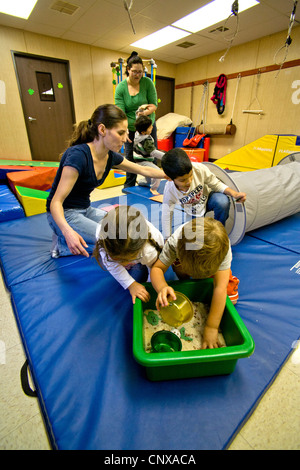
288, 40
219, 96
236, 90
202, 114
205, 106
128, 8
259, 110
235, 13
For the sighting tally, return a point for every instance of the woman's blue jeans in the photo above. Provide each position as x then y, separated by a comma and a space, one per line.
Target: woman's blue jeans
83, 221
219, 203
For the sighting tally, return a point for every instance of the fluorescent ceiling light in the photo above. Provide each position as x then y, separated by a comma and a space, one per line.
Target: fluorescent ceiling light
160, 38
19, 8
211, 14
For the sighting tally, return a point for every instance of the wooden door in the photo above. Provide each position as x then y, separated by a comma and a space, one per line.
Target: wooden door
47, 102
165, 93
165, 88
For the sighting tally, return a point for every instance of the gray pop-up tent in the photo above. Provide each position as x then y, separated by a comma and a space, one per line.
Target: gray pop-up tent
272, 194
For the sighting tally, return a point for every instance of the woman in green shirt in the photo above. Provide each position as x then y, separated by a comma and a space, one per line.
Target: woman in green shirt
132, 93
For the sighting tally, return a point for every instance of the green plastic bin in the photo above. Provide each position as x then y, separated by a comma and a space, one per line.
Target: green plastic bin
196, 363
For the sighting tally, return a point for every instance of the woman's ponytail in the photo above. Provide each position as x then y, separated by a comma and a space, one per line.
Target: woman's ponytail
83, 133
86, 131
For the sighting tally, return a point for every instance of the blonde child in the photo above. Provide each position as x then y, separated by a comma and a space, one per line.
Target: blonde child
125, 239
203, 249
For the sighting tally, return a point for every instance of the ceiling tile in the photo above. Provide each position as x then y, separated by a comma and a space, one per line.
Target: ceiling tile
106, 23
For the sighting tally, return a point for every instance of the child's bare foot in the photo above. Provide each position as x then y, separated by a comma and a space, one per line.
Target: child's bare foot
154, 192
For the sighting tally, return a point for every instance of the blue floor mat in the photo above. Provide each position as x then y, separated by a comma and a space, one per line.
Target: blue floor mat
144, 191
25, 250
76, 326
284, 233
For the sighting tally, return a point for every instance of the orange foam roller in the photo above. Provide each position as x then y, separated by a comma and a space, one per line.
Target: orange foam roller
39, 178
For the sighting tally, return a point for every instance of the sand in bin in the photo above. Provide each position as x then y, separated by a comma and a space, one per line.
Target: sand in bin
190, 333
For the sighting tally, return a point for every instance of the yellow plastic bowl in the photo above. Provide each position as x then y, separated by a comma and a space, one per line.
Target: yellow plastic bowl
178, 311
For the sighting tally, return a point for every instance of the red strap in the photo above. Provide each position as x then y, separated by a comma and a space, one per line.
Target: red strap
219, 96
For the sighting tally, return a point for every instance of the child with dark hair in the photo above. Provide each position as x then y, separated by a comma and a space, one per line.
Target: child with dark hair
198, 191
144, 150
195, 187
126, 240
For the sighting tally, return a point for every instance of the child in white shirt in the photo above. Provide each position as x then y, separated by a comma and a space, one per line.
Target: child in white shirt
195, 188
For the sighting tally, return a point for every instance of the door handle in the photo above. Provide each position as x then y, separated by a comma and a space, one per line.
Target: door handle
31, 118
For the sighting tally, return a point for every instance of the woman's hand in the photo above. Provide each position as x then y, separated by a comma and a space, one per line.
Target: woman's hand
138, 291
146, 171
146, 110
75, 242
142, 110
